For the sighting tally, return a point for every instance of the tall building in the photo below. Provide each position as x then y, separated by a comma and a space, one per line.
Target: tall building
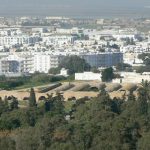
43, 62
11, 66
106, 59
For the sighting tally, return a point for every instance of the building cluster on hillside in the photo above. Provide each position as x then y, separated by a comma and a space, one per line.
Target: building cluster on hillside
27, 50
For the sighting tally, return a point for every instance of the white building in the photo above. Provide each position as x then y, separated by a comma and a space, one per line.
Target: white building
41, 63
84, 42
17, 40
64, 72
69, 31
39, 30
28, 63
132, 59
132, 77
11, 66
10, 32
58, 40
44, 61
88, 76
107, 59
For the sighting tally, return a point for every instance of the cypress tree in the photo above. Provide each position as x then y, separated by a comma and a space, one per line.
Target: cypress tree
32, 98
142, 103
47, 105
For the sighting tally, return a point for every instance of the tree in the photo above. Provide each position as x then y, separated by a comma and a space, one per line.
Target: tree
3, 106
130, 41
146, 88
143, 143
54, 71
115, 46
142, 56
48, 104
32, 98
144, 98
141, 69
145, 57
142, 102
123, 67
131, 96
147, 61
74, 64
107, 74
95, 70
58, 106
14, 103
6, 143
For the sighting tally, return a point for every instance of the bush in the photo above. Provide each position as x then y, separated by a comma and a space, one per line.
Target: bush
7, 85
44, 78
141, 69
107, 74
40, 78
54, 71
123, 67
56, 78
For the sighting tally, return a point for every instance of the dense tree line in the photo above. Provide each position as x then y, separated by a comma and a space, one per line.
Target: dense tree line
99, 123
123, 67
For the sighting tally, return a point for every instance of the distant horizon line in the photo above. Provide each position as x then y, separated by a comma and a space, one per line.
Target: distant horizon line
127, 16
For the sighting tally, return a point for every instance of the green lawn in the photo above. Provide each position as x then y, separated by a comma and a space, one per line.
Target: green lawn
36, 84
30, 85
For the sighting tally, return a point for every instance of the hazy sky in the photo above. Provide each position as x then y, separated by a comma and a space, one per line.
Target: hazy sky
75, 7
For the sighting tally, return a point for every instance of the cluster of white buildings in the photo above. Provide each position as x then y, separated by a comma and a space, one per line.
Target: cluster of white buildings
14, 36
24, 51
58, 40
18, 40
118, 34
26, 62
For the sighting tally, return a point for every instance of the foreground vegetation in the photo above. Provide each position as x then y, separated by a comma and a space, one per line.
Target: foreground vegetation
100, 123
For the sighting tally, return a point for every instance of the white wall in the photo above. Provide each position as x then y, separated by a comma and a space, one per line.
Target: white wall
132, 78
88, 76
